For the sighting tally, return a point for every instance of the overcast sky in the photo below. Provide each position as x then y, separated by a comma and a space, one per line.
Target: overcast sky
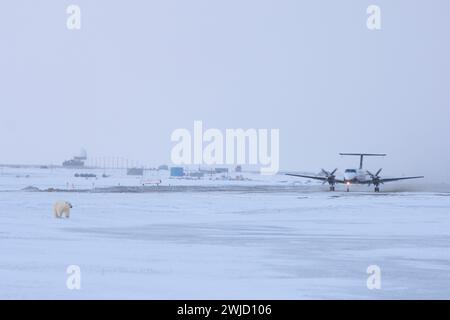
137, 70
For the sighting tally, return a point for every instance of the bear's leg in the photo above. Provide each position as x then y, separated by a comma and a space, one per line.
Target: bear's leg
67, 212
56, 213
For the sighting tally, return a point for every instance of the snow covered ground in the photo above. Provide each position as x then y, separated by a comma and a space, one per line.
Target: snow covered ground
299, 243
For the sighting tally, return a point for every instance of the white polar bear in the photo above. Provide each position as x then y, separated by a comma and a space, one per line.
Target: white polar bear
61, 207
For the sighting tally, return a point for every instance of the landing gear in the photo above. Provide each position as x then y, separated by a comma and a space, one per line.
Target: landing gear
377, 189
348, 188
332, 188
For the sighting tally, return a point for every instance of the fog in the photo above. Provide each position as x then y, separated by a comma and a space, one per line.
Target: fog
138, 70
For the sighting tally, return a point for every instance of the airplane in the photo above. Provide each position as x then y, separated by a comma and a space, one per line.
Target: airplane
354, 176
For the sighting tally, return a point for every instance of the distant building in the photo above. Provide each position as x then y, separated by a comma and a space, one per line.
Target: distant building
163, 167
238, 169
77, 161
206, 171
73, 163
135, 171
176, 172
221, 170
81, 156
85, 175
196, 174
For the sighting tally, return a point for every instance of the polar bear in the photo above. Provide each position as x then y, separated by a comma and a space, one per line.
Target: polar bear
61, 207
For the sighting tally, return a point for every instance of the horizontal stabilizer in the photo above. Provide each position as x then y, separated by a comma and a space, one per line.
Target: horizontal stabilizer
362, 155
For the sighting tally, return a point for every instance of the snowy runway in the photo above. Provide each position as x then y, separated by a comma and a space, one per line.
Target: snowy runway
213, 245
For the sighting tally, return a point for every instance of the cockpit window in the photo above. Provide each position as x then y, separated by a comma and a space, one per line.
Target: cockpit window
350, 170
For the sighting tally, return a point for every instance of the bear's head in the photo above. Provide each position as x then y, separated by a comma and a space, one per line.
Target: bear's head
69, 204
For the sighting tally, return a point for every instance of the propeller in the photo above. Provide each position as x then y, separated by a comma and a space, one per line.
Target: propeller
331, 178
376, 179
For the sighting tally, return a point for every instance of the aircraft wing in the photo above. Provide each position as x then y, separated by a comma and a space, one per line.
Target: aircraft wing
314, 177
397, 179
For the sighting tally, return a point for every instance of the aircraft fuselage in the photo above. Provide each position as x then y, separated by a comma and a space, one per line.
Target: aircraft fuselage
356, 176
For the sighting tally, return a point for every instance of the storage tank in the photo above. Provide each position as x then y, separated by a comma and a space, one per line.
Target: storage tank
176, 172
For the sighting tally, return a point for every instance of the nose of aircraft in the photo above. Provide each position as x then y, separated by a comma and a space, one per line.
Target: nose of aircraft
349, 174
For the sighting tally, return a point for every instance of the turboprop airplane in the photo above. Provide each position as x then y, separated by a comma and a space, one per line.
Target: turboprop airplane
354, 176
